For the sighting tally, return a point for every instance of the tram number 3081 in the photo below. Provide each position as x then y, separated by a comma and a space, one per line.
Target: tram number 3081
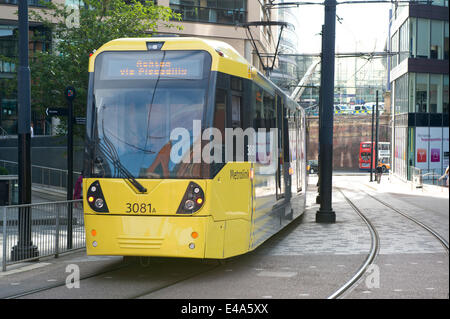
136, 208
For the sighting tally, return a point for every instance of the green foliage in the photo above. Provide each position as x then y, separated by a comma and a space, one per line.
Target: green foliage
76, 34
3, 171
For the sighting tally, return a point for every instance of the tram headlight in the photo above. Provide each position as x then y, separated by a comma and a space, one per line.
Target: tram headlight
151, 46
189, 204
99, 203
95, 197
193, 199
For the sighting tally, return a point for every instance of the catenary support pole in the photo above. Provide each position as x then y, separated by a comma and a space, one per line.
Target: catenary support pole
376, 131
325, 214
371, 146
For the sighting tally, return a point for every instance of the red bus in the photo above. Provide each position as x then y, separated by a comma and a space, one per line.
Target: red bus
384, 154
364, 155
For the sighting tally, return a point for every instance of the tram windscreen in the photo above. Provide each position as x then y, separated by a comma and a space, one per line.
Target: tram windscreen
137, 115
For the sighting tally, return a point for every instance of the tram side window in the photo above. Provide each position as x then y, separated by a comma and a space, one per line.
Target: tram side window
220, 111
236, 118
269, 111
236, 84
258, 108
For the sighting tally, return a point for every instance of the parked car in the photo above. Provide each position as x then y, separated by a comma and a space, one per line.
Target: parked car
385, 164
313, 167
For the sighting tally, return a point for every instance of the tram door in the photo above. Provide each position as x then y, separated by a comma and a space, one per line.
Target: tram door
280, 125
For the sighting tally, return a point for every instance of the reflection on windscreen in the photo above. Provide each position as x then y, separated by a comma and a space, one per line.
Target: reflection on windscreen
138, 123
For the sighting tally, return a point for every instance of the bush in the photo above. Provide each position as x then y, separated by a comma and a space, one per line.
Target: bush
3, 171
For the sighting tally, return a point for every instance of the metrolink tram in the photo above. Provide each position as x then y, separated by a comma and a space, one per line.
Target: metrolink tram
190, 151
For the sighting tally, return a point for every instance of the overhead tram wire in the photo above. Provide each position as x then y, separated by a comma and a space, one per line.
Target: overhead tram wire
272, 5
372, 55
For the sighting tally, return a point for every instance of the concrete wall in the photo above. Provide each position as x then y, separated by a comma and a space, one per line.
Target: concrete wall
348, 132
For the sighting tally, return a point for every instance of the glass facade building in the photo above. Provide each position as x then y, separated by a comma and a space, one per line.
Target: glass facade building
39, 41
212, 11
419, 81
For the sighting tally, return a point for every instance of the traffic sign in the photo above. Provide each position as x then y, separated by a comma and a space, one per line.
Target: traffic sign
56, 112
70, 93
80, 120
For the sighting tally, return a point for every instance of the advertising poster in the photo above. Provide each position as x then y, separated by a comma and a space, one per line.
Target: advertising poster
435, 161
422, 155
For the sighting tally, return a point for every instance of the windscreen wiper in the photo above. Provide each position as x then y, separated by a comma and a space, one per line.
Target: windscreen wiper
117, 164
111, 154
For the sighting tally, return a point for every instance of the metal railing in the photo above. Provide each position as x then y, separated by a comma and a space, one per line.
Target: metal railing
31, 231
42, 175
419, 177
432, 176
3, 132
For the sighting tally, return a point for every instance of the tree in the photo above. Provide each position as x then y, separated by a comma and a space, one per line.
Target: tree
77, 31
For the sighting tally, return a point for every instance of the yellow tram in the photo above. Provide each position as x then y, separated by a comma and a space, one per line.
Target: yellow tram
190, 151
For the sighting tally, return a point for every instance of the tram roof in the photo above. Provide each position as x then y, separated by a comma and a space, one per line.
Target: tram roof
224, 57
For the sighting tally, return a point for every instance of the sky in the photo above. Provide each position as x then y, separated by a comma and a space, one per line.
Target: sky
363, 28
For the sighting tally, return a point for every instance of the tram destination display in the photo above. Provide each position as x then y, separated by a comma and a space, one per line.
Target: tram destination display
153, 65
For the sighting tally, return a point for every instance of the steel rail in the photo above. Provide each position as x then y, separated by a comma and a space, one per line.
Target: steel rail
62, 284
113, 269
374, 249
187, 277
441, 239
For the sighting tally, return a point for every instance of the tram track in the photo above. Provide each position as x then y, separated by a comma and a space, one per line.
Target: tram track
430, 230
110, 270
62, 284
375, 241
373, 252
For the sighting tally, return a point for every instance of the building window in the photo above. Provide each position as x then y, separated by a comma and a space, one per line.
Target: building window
412, 92
404, 39
394, 50
8, 48
39, 41
446, 44
401, 94
440, 3
34, 3
412, 37
213, 11
435, 93
437, 38
423, 38
445, 96
421, 93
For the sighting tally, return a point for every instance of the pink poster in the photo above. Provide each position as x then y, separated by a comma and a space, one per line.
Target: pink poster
422, 147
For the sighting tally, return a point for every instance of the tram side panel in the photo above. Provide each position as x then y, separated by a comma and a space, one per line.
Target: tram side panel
230, 208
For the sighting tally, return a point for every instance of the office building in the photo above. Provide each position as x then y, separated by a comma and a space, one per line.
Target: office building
419, 66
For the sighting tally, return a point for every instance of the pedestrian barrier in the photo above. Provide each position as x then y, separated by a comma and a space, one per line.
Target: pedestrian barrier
42, 175
433, 176
31, 231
